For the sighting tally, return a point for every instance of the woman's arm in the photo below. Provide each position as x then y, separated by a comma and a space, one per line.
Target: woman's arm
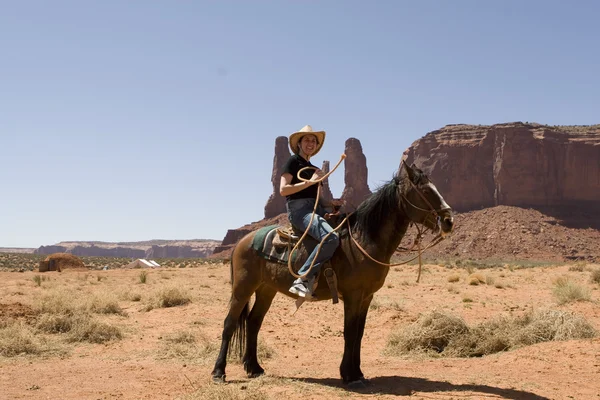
286, 188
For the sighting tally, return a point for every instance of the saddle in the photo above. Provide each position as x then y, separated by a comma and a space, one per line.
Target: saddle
287, 235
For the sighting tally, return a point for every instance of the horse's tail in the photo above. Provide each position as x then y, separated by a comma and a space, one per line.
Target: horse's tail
238, 340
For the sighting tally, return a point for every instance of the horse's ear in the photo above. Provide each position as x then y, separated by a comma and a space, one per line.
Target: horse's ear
409, 170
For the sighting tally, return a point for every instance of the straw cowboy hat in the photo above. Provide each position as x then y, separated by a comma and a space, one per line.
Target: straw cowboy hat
307, 130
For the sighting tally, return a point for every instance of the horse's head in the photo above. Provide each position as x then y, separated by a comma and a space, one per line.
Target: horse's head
423, 202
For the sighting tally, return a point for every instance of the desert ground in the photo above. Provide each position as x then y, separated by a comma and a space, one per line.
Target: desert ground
154, 334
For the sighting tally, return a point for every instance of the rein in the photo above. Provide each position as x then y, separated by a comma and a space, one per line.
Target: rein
417, 242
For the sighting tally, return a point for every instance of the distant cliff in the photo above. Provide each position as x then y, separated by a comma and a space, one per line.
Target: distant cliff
149, 249
513, 164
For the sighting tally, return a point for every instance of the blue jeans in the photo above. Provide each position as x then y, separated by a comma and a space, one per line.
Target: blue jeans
299, 212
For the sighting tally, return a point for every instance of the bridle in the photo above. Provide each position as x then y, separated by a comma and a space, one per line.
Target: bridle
435, 213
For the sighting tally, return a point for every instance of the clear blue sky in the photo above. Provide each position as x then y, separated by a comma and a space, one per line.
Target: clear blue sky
137, 120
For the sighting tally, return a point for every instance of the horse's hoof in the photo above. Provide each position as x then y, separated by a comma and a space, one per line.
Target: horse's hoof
255, 374
366, 382
358, 384
218, 378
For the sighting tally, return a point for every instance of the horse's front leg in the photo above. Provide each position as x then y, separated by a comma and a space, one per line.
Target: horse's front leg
361, 329
356, 307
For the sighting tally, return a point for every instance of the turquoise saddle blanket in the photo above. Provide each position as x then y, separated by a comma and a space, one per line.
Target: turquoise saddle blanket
263, 244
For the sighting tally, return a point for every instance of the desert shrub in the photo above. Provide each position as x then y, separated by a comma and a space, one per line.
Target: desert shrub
143, 276
566, 291
38, 280
454, 278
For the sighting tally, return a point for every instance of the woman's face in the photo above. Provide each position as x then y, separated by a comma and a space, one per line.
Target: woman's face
308, 144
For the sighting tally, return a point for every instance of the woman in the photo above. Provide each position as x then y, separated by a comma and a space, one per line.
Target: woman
300, 202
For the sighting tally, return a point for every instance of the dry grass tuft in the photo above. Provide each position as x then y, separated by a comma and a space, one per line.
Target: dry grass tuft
38, 280
135, 296
18, 339
182, 337
476, 279
449, 336
104, 303
60, 312
168, 297
56, 323
187, 346
552, 325
264, 351
80, 327
375, 305
92, 331
62, 302
567, 291
227, 392
454, 278
453, 289
579, 267
595, 276
431, 333
57, 301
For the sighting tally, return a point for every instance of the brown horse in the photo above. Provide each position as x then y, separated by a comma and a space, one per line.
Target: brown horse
378, 224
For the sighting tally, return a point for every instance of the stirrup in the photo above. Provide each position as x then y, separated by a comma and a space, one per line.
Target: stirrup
331, 279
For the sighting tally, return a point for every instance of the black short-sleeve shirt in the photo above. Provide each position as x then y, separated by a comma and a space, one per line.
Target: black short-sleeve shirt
294, 164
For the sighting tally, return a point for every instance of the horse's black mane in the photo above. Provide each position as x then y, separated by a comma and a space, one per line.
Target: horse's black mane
372, 213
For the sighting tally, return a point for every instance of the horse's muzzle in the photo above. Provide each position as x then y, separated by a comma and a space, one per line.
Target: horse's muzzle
446, 223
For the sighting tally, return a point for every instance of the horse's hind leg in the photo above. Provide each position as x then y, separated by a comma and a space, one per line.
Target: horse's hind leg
244, 284
237, 309
264, 298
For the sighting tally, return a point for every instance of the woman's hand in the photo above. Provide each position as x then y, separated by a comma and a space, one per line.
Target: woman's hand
317, 175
